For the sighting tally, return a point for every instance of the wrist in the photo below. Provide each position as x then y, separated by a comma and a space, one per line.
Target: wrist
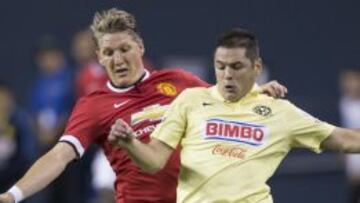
15, 194
124, 143
129, 144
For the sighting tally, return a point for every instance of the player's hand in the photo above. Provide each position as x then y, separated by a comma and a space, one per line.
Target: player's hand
274, 89
6, 198
120, 134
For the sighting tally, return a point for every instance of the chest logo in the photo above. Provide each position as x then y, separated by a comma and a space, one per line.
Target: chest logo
167, 89
235, 131
118, 105
262, 110
151, 113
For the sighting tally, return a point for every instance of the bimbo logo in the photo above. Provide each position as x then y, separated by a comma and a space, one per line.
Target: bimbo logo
235, 131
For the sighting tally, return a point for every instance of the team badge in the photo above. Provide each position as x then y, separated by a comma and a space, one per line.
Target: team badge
262, 110
167, 89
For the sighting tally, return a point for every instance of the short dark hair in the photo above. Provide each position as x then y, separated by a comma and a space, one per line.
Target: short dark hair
240, 38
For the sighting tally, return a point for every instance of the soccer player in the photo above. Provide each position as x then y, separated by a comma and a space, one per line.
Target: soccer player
132, 94
232, 138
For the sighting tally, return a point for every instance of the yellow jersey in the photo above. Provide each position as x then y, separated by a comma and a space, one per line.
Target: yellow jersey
230, 149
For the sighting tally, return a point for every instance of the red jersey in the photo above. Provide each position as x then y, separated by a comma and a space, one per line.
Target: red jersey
142, 107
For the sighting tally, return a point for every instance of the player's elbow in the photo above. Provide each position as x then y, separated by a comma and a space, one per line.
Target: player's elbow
156, 156
160, 155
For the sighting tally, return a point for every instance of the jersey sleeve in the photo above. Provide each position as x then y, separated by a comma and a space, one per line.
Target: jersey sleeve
80, 131
172, 128
305, 130
193, 80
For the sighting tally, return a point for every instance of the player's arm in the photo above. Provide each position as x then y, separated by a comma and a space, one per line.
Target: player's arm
343, 140
150, 157
43, 171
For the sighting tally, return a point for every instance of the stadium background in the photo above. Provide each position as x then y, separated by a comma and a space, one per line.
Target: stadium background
305, 44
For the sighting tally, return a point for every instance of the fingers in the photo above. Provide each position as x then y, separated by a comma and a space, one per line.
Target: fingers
123, 126
275, 89
279, 88
120, 131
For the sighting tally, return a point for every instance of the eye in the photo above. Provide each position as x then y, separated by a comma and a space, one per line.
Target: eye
237, 66
219, 66
125, 48
108, 52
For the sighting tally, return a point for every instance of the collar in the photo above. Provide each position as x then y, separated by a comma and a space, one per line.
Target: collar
255, 90
126, 89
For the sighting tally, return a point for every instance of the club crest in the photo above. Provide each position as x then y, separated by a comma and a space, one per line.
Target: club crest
167, 89
262, 110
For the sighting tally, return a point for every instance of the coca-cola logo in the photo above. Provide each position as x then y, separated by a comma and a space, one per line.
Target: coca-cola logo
229, 151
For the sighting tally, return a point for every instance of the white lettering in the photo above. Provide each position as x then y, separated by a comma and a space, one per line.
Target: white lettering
147, 130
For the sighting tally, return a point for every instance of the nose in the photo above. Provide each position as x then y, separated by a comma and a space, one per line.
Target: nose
118, 57
228, 73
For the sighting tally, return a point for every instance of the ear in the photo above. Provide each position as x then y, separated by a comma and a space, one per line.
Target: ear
141, 47
258, 65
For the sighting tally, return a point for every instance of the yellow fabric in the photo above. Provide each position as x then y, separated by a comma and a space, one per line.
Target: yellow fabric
229, 150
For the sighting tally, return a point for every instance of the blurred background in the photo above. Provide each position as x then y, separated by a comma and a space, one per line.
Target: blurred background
312, 47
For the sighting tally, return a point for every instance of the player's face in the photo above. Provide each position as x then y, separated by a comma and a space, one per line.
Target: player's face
235, 73
121, 55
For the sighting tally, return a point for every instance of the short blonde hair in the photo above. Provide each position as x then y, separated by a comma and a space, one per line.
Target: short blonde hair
114, 20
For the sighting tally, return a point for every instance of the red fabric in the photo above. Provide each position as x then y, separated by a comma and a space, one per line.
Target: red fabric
94, 114
90, 78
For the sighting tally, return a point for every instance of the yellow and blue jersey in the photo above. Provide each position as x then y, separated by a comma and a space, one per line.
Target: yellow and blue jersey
230, 149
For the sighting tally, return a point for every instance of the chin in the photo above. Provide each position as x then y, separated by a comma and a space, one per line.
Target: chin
229, 97
232, 97
121, 83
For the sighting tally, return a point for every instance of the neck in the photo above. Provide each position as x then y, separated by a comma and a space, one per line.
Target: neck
130, 85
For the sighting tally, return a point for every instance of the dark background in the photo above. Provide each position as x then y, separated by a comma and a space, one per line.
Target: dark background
305, 43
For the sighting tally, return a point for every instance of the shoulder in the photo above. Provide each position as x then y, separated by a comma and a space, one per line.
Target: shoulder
283, 103
195, 93
275, 104
264, 98
173, 71
197, 90
285, 107
92, 97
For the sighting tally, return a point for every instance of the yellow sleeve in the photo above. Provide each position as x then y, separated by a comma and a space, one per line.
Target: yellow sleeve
173, 126
305, 130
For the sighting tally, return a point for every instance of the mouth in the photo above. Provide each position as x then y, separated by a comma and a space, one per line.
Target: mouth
229, 88
121, 72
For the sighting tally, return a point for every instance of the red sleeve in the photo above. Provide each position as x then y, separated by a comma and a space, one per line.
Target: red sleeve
193, 80
81, 128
